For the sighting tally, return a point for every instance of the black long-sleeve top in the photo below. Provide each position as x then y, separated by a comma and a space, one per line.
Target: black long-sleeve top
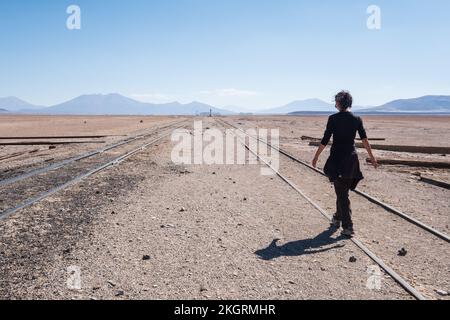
343, 127
343, 161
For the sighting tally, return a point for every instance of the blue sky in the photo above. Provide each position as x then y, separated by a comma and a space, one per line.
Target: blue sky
252, 53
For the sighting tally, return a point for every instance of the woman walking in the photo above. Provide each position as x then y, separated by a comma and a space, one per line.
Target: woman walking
342, 167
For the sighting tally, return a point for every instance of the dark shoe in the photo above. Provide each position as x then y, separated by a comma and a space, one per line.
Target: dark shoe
336, 223
348, 232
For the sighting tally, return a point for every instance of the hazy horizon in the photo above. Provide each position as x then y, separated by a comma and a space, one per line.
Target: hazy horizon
230, 108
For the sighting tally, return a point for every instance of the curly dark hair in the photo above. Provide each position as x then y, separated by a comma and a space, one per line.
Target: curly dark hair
344, 99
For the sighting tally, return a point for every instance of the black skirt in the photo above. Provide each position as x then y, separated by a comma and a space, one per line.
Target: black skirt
344, 163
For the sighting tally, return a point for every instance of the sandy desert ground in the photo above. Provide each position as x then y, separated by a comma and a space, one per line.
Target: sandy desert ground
147, 228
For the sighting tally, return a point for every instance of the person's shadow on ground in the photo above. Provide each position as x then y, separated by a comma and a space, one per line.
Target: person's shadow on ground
302, 247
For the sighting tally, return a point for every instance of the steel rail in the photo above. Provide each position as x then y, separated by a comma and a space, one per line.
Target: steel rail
372, 199
408, 287
7, 213
56, 137
80, 157
48, 143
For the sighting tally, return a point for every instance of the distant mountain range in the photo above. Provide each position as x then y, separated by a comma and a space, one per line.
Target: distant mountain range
120, 105
426, 104
15, 104
116, 104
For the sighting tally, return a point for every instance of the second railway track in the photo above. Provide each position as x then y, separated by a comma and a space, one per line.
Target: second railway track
39, 184
54, 166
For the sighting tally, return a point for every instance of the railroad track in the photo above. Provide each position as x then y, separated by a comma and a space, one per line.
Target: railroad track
101, 165
84, 156
365, 195
389, 270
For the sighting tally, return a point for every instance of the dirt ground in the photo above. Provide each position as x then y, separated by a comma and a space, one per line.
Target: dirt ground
150, 229
20, 126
